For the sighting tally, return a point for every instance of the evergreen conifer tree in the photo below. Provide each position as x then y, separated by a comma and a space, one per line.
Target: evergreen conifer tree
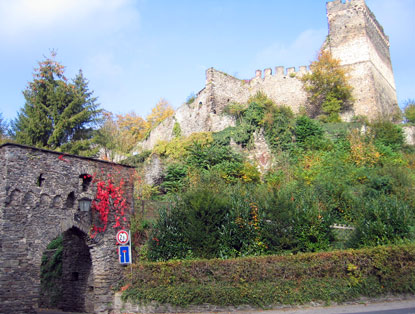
58, 114
3, 128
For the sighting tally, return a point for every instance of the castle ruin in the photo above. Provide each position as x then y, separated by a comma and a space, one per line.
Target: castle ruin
355, 37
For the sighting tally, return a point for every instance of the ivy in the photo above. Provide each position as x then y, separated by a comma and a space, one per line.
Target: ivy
109, 195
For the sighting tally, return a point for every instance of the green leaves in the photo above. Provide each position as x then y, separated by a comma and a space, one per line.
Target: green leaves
57, 114
329, 93
409, 111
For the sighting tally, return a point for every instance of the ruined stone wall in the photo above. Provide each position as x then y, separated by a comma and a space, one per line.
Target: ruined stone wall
355, 38
284, 88
205, 113
359, 42
39, 200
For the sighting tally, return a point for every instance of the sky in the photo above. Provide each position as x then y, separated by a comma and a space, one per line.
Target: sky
135, 52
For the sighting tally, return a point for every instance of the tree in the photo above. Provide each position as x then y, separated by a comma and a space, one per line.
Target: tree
132, 125
409, 111
113, 139
58, 114
328, 91
3, 128
160, 112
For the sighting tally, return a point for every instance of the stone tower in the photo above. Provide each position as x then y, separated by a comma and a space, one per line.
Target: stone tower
359, 42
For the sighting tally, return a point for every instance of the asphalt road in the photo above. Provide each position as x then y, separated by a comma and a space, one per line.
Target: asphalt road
390, 307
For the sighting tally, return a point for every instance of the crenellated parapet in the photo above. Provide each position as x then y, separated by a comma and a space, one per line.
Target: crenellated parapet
281, 72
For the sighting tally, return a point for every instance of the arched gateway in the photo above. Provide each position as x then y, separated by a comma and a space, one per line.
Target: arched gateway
44, 194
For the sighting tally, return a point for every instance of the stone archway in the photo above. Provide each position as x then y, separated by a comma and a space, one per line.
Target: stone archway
67, 280
77, 273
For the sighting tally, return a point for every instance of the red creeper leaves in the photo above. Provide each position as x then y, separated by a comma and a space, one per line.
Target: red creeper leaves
109, 198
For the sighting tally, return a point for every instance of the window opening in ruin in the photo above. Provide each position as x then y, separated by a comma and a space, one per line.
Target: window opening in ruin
40, 180
86, 181
70, 200
75, 276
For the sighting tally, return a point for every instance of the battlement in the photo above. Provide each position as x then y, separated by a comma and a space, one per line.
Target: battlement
281, 72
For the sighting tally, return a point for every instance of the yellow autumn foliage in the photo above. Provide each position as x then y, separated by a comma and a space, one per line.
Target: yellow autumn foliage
362, 153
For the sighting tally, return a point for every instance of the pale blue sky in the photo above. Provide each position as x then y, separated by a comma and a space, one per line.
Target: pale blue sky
135, 52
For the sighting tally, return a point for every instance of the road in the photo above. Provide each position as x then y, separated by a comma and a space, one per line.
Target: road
392, 307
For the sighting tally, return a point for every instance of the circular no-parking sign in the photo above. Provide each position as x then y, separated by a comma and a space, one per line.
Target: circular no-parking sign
122, 237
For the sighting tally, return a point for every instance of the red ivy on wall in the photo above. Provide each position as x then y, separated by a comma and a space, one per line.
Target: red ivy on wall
109, 200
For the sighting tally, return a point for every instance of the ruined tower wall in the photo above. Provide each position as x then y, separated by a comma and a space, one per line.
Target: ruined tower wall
359, 42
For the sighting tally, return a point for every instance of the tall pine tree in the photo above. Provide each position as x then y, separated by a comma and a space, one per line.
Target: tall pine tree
58, 114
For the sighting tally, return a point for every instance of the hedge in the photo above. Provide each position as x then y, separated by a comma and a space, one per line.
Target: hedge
336, 276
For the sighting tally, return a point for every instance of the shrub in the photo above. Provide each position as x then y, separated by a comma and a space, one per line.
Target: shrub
216, 157
174, 178
279, 127
177, 148
136, 160
383, 220
388, 134
409, 111
193, 226
177, 131
190, 99
295, 222
308, 132
275, 280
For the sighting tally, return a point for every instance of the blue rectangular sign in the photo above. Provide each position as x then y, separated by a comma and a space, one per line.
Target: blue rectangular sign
124, 254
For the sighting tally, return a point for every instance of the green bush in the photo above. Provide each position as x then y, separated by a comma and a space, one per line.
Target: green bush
383, 220
409, 111
175, 177
268, 281
388, 134
217, 158
177, 131
192, 227
308, 133
136, 160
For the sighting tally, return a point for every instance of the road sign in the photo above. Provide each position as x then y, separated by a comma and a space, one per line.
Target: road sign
124, 254
123, 237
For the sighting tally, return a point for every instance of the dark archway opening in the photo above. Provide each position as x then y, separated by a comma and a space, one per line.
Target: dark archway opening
66, 274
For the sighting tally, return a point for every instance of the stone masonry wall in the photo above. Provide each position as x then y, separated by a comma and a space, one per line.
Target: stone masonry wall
359, 42
39, 200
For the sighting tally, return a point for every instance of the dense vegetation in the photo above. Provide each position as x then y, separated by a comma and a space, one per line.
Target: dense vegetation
276, 280
322, 175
